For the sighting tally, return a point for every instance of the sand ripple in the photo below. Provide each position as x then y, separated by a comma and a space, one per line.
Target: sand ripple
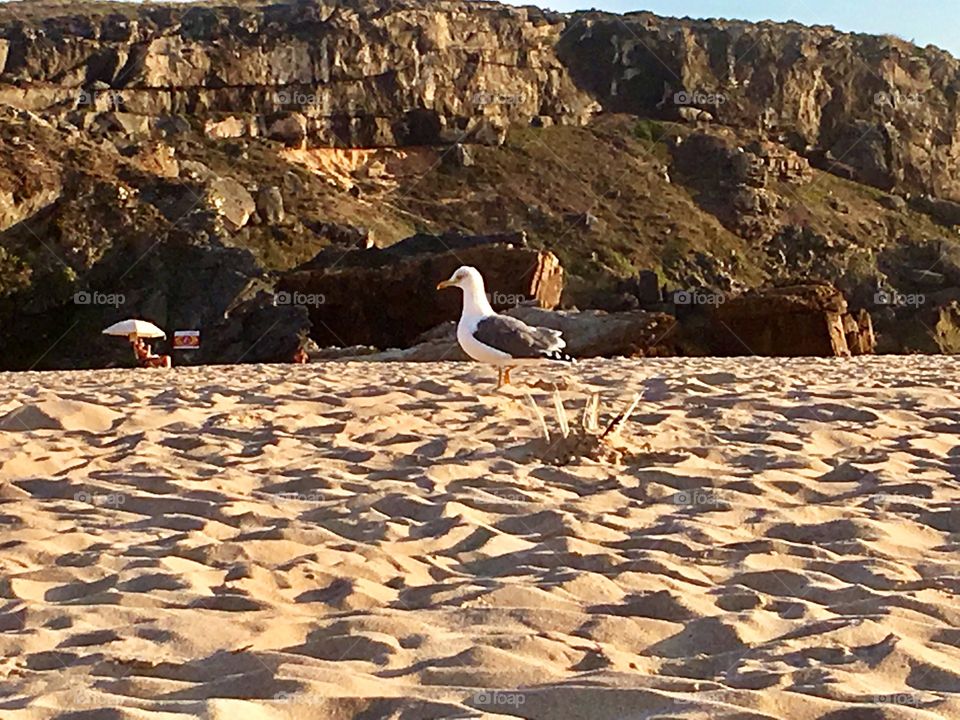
355, 541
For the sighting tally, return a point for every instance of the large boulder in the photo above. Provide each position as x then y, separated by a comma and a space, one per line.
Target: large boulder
945, 212
388, 297
594, 333
228, 127
255, 329
588, 333
290, 129
792, 321
229, 199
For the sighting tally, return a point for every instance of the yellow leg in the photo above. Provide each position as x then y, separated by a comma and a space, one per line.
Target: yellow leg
506, 375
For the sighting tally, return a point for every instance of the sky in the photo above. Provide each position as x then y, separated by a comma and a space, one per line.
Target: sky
935, 22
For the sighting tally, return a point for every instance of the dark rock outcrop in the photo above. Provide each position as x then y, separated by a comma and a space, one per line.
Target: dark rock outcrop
735, 183
793, 321
257, 329
387, 298
349, 249
943, 211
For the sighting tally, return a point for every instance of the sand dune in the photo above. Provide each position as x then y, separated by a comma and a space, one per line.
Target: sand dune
358, 541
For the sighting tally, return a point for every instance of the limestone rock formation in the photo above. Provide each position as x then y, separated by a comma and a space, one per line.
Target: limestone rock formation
364, 73
858, 331
229, 199
359, 73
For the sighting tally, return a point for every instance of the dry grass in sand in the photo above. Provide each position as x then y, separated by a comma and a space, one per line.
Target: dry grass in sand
356, 541
586, 440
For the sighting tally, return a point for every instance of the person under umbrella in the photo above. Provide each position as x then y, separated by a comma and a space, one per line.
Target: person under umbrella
135, 330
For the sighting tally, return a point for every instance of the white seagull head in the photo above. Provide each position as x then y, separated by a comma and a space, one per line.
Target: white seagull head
466, 278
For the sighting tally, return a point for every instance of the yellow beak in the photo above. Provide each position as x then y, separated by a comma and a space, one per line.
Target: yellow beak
444, 284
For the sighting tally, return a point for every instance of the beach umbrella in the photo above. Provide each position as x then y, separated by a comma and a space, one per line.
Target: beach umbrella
135, 328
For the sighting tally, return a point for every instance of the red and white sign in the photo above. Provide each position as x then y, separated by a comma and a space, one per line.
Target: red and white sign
186, 340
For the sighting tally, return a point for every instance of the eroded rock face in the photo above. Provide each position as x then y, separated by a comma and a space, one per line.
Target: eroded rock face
29, 179
364, 73
947, 328
876, 106
858, 330
358, 73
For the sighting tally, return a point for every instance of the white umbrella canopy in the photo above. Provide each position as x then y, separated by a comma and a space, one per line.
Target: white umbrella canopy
137, 328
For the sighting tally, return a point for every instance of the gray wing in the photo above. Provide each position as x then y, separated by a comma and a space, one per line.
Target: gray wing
516, 338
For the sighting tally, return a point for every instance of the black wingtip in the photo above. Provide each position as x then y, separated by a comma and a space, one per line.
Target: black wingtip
559, 355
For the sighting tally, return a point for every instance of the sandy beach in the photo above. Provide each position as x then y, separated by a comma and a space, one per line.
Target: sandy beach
359, 541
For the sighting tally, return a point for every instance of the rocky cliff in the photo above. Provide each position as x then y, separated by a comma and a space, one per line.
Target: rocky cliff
363, 73
173, 160
880, 107
354, 74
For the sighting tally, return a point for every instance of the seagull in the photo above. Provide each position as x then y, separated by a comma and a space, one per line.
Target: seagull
499, 339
